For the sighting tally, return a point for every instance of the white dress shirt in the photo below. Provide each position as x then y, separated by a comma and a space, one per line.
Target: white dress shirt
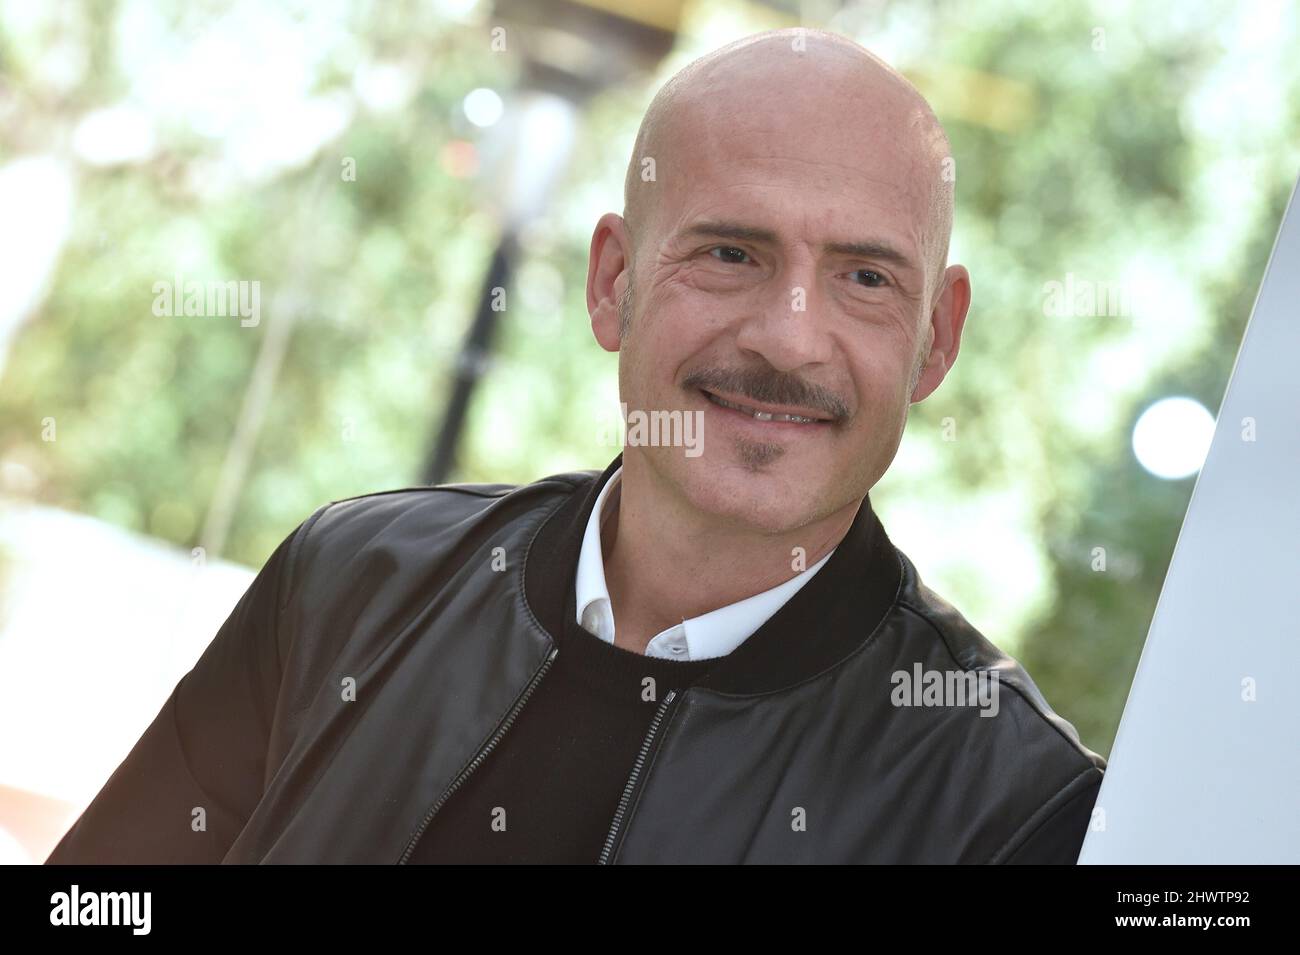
714, 634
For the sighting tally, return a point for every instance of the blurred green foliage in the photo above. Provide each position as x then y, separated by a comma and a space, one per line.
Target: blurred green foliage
1165, 150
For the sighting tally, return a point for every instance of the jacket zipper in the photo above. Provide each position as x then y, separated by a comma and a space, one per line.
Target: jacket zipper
482, 754
630, 788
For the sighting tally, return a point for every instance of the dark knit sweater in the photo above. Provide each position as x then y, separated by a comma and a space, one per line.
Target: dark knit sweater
550, 788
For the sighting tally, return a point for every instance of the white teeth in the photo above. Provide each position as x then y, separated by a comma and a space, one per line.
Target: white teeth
760, 415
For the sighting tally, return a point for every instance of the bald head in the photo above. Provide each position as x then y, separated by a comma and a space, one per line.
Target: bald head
781, 89
781, 251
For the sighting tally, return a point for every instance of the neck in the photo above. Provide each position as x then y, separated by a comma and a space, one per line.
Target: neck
666, 561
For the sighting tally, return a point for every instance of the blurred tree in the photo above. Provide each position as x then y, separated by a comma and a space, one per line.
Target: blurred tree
1099, 143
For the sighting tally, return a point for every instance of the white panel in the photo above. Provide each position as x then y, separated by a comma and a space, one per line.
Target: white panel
1197, 774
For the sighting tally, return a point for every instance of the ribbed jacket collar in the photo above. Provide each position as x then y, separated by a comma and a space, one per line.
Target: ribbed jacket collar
818, 628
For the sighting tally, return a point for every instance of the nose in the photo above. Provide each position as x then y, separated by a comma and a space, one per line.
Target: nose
788, 322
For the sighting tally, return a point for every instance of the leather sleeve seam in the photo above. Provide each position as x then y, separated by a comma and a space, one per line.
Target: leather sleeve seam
1041, 817
288, 573
1077, 749
468, 490
225, 812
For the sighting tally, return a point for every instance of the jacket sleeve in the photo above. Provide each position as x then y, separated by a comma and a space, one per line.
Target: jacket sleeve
191, 781
1058, 839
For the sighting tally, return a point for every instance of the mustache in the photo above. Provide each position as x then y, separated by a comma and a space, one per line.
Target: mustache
773, 387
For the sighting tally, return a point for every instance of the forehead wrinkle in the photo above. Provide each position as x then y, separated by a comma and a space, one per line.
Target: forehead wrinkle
833, 68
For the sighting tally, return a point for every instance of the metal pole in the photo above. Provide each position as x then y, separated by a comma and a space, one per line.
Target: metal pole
471, 363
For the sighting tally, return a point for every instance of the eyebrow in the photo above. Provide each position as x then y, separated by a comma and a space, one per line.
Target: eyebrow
868, 248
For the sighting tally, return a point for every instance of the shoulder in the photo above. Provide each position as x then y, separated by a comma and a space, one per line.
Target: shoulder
1051, 778
397, 538
421, 512
372, 557
971, 651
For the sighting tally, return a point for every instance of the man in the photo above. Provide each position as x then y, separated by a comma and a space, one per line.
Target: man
702, 654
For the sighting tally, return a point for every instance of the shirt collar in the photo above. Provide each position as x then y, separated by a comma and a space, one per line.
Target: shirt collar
713, 634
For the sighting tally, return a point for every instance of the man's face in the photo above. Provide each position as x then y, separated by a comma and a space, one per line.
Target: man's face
785, 270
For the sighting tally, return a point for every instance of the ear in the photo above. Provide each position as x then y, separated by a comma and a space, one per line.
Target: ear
946, 321
607, 278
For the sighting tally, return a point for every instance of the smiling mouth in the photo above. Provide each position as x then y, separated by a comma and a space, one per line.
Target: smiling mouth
760, 415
